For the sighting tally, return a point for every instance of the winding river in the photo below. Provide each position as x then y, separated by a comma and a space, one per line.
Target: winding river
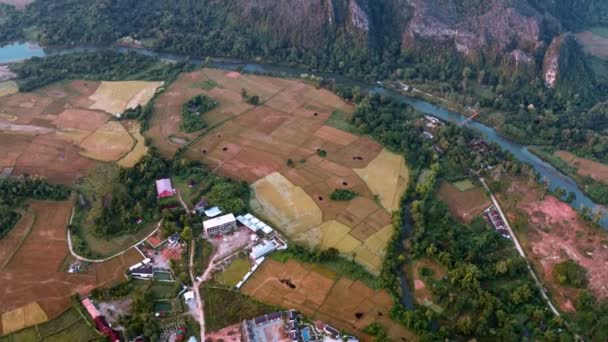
554, 178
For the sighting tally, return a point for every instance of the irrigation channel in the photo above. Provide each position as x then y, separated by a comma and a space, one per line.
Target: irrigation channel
553, 177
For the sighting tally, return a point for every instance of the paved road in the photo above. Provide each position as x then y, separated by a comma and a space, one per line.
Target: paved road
521, 250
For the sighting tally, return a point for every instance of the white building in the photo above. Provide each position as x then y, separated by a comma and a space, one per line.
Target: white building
263, 249
254, 224
220, 225
213, 212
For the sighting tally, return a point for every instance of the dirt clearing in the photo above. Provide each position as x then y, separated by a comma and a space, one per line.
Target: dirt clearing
115, 97
554, 234
321, 294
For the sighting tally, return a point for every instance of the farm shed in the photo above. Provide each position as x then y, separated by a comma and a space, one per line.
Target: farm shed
164, 188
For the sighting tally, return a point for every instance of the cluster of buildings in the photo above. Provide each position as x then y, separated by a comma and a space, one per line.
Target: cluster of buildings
495, 220
287, 325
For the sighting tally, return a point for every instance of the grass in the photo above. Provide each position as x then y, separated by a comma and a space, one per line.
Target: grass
225, 307
235, 272
206, 85
464, 185
341, 120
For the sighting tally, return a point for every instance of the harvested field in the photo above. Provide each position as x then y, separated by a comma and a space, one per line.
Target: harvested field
585, 167
321, 294
285, 204
33, 274
115, 97
140, 149
465, 205
81, 119
109, 143
29, 314
54, 159
555, 233
593, 43
8, 88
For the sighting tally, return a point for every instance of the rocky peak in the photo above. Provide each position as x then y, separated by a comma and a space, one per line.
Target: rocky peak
551, 61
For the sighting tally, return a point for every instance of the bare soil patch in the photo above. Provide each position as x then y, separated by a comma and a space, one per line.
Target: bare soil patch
323, 295
81, 119
466, 205
555, 233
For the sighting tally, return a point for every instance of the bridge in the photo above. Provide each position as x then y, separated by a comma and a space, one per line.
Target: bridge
470, 118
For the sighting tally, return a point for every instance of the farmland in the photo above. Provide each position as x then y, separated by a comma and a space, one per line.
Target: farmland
31, 270
69, 325
465, 205
291, 157
325, 295
551, 232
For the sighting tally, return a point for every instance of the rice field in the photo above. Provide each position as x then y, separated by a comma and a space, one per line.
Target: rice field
115, 97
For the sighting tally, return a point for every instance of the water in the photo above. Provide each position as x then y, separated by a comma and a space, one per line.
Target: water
19, 51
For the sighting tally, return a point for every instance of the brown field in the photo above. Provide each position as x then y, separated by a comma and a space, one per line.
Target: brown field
52, 133
25, 316
8, 88
324, 295
110, 142
139, 150
585, 167
33, 274
10, 242
465, 205
593, 44
115, 97
556, 234
254, 144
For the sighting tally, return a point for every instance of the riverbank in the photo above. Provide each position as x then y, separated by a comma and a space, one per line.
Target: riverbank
596, 190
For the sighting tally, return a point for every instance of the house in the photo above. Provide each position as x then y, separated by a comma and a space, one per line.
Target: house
263, 249
100, 322
219, 225
146, 271
428, 135
188, 296
333, 332
213, 212
254, 224
174, 238
164, 188
199, 208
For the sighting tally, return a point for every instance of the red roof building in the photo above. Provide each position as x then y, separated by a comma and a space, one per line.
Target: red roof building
164, 188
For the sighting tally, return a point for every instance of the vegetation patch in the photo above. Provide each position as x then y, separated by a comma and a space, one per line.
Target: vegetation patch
192, 113
224, 307
8, 88
570, 273
343, 195
235, 272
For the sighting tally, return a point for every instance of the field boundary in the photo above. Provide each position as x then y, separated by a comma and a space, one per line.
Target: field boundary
79, 257
27, 234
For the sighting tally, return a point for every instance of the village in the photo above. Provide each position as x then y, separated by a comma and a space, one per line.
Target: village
240, 245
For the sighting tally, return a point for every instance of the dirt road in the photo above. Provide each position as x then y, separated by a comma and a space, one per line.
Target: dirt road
196, 284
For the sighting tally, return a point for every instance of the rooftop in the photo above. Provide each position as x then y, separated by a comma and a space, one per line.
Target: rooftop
218, 221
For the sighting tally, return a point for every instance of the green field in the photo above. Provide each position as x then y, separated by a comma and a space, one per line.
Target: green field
235, 272
464, 185
69, 326
600, 31
341, 121
225, 307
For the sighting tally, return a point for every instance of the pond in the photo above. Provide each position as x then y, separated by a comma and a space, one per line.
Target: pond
166, 276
